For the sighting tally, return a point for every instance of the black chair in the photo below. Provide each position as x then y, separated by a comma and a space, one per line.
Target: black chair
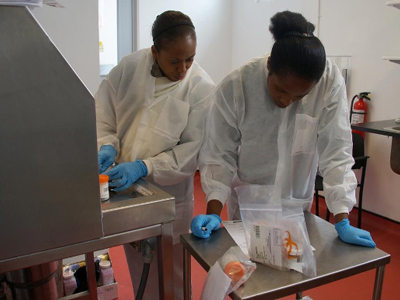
360, 163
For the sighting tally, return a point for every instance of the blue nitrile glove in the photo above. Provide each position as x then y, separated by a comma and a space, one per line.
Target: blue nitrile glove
353, 235
202, 225
106, 157
125, 174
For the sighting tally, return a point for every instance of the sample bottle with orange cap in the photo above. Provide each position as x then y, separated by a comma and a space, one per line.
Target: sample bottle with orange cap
104, 193
234, 270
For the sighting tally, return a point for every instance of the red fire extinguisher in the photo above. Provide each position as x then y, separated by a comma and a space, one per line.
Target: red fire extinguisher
358, 110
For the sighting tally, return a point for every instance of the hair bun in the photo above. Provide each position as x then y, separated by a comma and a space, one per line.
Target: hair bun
286, 22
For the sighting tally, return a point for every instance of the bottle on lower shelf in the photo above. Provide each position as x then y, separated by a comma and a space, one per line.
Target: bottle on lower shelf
70, 284
106, 273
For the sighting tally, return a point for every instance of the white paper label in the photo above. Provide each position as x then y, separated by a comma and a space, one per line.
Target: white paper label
357, 116
266, 245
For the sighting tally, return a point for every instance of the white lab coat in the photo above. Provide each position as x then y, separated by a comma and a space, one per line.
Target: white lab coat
253, 141
166, 133
165, 130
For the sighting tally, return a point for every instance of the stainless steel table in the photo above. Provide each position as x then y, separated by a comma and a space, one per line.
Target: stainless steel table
335, 260
388, 128
127, 217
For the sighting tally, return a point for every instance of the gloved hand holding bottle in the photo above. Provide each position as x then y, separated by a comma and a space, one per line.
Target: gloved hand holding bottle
353, 235
125, 174
203, 225
106, 157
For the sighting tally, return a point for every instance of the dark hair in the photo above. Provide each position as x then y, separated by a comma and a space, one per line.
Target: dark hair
170, 26
296, 50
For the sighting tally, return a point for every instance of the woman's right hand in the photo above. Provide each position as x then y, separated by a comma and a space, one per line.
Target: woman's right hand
203, 225
106, 157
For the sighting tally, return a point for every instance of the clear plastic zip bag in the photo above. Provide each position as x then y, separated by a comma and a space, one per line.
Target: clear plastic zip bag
261, 213
227, 274
275, 236
296, 242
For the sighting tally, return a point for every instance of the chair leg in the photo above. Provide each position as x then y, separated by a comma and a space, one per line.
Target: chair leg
316, 203
360, 194
360, 206
328, 213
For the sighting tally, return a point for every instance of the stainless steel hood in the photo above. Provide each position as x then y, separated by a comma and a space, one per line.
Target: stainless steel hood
49, 188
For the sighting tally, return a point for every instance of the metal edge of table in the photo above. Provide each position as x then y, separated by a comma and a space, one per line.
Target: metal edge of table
81, 296
123, 212
221, 241
25, 261
377, 127
385, 128
306, 284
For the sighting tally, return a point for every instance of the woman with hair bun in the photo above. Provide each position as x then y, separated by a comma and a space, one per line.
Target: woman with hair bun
151, 112
275, 120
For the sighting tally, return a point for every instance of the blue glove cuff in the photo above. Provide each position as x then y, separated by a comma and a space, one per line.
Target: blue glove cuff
143, 166
342, 224
109, 148
219, 218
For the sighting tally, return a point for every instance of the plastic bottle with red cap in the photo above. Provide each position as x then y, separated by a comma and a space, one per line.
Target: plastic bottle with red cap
104, 193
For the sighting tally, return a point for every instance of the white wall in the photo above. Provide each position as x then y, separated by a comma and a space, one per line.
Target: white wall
364, 29
250, 26
212, 19
368, 30
74, 30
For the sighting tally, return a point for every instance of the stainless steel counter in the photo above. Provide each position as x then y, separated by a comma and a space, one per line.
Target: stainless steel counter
389, 128
335, 260
130, 210
127, 217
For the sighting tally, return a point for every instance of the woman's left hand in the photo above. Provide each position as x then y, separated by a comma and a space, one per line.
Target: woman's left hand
125, 174
353, 235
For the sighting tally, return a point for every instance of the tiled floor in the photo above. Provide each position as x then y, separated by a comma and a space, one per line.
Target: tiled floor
385, 233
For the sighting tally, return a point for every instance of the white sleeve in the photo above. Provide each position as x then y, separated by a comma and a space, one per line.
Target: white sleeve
219, 154
105, 112
335, 151
180, 162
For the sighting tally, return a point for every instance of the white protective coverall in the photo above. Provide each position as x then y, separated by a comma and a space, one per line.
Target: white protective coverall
253, 141
162, 123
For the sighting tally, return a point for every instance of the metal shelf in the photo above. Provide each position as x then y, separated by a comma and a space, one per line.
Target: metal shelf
395, 59
395, 4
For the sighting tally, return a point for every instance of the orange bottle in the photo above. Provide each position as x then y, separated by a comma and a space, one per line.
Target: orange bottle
234, 270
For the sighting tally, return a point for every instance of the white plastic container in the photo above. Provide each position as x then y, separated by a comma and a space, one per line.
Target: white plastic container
104, 193
106, 272
70, 284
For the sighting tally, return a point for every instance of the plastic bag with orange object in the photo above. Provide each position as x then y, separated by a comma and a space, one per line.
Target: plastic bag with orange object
276, 236
227, 274
296, 242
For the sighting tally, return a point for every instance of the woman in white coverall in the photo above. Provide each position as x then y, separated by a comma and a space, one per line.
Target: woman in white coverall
273, 121
151, 112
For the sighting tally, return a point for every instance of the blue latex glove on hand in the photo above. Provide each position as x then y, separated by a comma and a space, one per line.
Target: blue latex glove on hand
126, 174
202, 225
353, 235
106, 157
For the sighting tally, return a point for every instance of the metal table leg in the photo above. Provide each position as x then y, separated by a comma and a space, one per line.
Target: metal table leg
187, 269
91, 275
380, 272
165, 262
